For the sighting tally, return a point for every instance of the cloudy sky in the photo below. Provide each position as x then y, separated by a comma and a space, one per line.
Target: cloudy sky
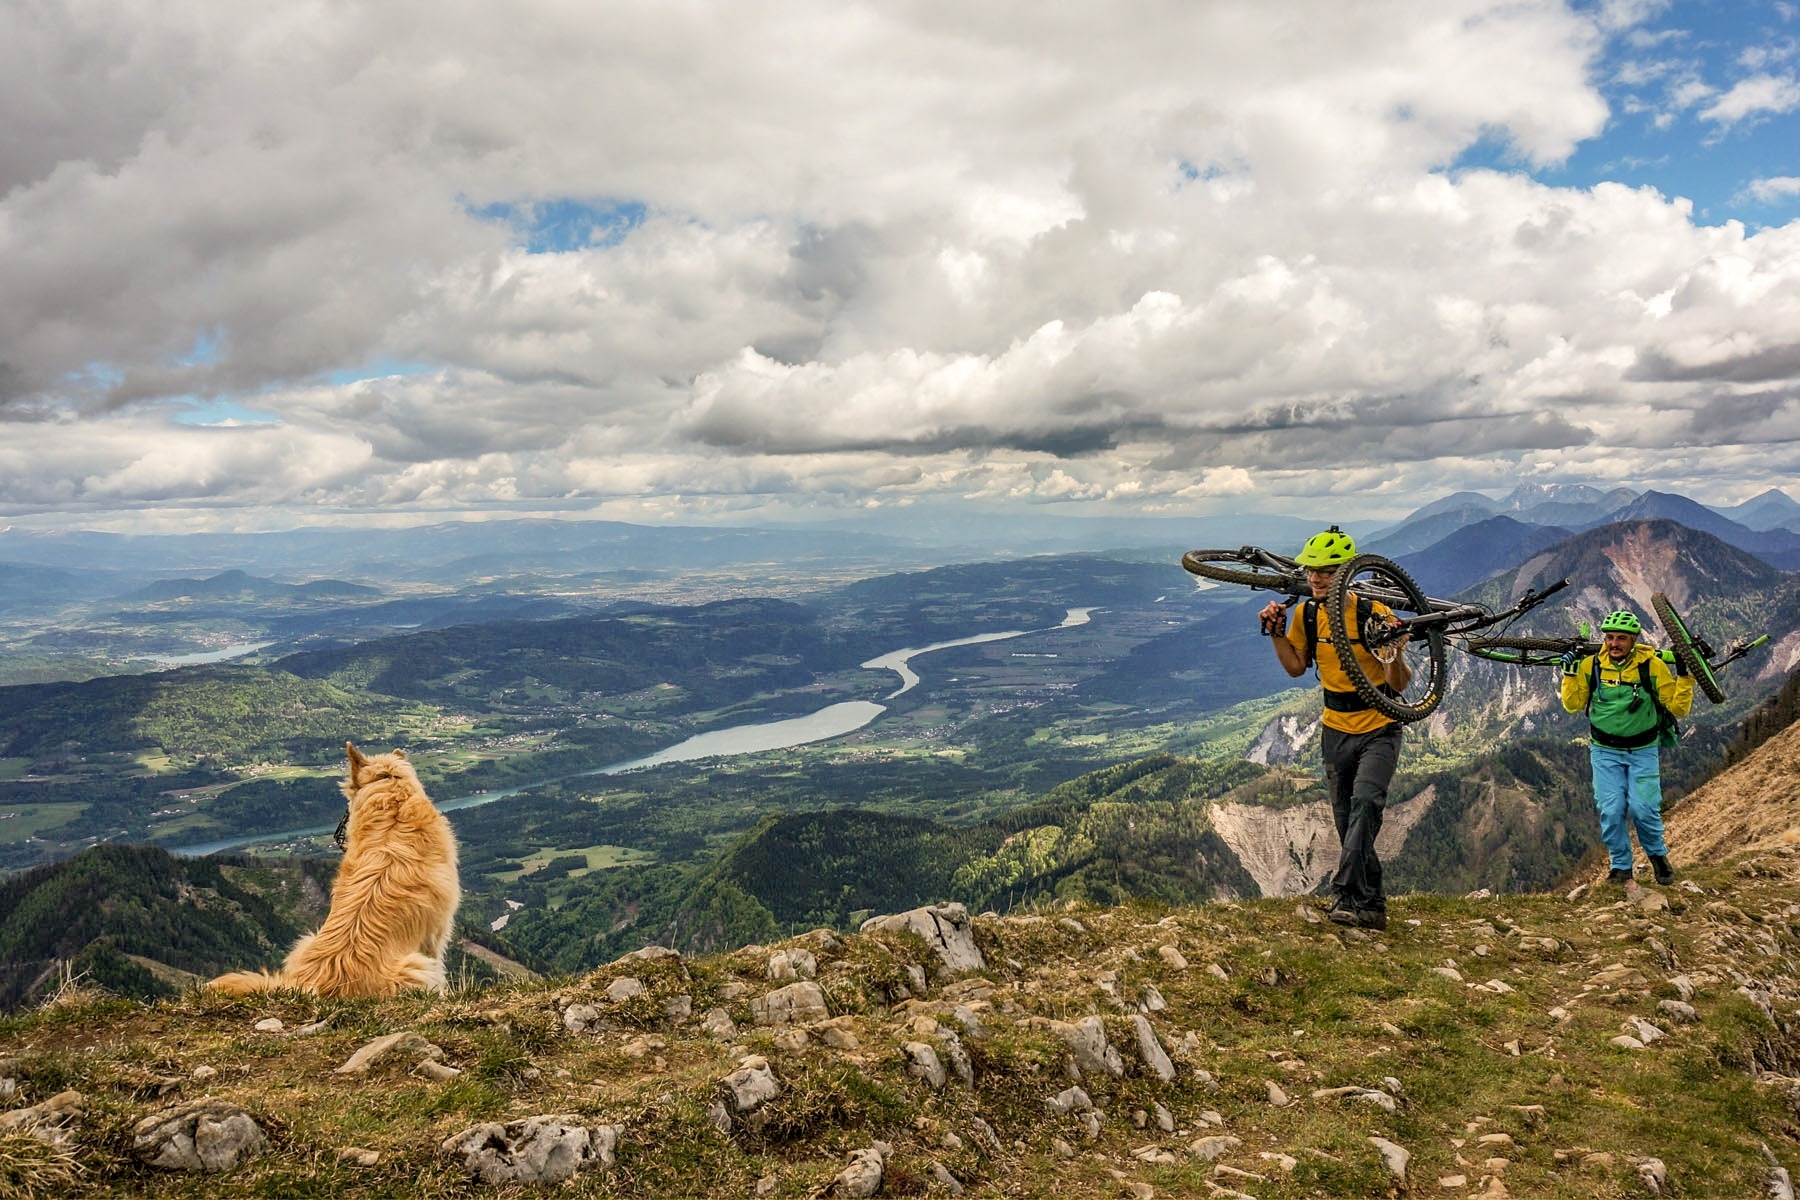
264, 263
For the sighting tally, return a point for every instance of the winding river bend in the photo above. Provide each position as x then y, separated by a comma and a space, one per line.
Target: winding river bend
832, 721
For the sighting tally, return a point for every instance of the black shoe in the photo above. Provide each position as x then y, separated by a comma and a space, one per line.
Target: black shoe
1619, 875
1665, 874
1359, 918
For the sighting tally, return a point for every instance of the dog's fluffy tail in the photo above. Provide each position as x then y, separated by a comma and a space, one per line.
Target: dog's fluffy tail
245, 983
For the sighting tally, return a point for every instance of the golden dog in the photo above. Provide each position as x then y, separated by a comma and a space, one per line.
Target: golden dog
394, 900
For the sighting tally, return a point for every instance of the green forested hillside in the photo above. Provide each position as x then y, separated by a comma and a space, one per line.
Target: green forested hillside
106, 909
216, 712
138, 921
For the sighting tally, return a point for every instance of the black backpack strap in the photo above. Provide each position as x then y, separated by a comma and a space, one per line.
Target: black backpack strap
1309, 617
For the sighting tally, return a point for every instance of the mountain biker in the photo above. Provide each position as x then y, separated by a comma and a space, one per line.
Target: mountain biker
1629, 693
1359, 746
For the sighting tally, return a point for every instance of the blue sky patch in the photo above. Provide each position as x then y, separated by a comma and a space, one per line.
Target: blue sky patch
381, 368
558, 225
1704, 100
220, 412
208, 349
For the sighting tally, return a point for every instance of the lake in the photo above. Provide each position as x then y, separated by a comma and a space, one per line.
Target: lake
832, 721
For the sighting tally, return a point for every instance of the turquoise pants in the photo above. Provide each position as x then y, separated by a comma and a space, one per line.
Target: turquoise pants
1628, 792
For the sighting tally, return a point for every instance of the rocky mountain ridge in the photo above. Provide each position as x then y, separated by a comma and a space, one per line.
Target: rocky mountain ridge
1602, 1041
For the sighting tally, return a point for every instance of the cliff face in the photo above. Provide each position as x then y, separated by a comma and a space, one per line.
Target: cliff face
1291, 851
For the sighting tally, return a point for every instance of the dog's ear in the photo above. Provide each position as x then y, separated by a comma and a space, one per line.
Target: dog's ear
357, 761
399, 753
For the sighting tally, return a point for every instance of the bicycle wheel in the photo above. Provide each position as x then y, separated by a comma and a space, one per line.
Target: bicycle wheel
1232, 566
1528, 651
1687, 647
1374, 577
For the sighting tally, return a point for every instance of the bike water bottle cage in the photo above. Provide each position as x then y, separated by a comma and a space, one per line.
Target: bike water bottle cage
1328, 549
1621, 621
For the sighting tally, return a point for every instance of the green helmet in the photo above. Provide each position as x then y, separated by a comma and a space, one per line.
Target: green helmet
1621, 621
1327, 549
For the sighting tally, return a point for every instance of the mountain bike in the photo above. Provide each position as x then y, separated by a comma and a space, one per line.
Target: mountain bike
1418, 630
1696, 655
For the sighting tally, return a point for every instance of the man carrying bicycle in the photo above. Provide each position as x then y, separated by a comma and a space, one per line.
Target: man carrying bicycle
1359, 746
1630, 695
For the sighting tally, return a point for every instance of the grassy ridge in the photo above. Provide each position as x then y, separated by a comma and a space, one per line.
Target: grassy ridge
1517, 1080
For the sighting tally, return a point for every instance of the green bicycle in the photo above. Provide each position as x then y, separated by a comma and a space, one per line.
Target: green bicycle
1696, 655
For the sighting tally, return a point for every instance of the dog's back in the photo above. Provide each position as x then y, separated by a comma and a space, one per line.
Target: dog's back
394, 901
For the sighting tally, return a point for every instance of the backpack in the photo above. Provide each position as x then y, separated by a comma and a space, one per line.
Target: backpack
1668, 729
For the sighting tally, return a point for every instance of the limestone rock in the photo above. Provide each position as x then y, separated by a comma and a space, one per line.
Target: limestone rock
52, 1122
796, 1004
1155, 1057
752, 1085
924, 1064
1209, 1148
207, 1134
403, 1042
578, 1017
1173, 957
960, 1064
862, 1176
545, 1149
946, 928
1679, 1010
1069, 1100
1086, 1038
1654, 1174
718, 1023
625, 987
1394, 1156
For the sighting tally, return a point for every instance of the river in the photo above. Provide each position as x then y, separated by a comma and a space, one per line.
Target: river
832, 721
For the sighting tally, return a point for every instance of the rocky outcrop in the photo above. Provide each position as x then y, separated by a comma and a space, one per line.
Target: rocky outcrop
208, 1134
945, 928
537, 1150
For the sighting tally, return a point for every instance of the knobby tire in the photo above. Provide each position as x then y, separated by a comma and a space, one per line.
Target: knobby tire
1424, 652
1682, 642
1524, 651
1212, 564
